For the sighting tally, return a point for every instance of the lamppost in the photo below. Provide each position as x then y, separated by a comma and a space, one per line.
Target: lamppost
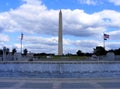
4, 53
21, 42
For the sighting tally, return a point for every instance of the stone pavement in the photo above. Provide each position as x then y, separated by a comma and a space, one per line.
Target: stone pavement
59, 83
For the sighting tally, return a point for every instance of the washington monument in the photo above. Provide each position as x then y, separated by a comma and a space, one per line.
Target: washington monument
60, 39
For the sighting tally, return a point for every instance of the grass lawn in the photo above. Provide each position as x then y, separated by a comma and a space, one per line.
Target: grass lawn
63, 58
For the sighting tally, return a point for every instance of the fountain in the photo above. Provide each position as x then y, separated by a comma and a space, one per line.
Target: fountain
58, 69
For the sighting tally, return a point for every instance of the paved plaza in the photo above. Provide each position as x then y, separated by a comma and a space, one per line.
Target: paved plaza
25, 83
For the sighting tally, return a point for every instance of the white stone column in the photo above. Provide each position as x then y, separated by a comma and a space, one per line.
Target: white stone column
60, 39
4, 53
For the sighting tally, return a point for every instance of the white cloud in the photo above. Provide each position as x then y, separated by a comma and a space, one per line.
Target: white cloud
34, 17
36, 44
40, 44
115, 35
110, 18
33, 2
113, 45
88, 2
49, 41
116, 2
87, 43
18, 46
79, 23
41, 48
4, 38
49, 45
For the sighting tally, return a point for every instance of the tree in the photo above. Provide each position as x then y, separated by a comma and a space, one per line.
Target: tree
7, 51
14, 51
1, 52
79, 53
25, 51
116, 51
99, 50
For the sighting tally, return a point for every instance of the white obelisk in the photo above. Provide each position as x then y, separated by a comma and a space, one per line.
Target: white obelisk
60, 39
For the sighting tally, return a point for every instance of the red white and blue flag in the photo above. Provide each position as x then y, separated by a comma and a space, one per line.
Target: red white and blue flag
106, 36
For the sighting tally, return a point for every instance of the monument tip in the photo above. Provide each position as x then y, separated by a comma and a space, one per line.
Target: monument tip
60, 11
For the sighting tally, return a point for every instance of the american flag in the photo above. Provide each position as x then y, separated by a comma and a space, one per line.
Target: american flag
106, 36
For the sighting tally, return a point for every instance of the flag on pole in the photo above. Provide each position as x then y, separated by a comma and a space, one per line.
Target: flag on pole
21, 36
106, 36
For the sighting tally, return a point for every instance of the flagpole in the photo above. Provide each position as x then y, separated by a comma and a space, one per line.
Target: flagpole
103, 41
21, 46
21, 42
105, 37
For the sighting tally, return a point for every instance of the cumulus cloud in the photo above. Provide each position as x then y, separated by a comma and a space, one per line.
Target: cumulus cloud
113, 45
33, 2
33, 17
18, 46
40, 44
87, 43
110, 18
115, 35
4, 38
36, 18
41, 48
49, 41
99, 2
88, 2
79, 23
115, 2
36, 44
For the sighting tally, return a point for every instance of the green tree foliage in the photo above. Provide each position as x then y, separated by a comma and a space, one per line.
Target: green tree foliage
14, 51
25, 51
7, 51
1, 52
43, 54
79, 53
99, 50
116, 51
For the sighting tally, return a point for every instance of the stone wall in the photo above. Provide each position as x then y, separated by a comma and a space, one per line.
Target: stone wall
61, 66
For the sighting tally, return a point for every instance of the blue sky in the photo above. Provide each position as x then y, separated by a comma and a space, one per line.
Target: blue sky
84, 22
81, 4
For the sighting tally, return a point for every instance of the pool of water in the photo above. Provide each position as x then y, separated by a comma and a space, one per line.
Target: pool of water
60, 75
60, 69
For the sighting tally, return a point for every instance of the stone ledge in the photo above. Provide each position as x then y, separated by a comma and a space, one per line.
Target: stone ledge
60, 62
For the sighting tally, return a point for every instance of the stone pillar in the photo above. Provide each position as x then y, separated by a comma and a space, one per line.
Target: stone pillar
110, 56
60, 39
4, 53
